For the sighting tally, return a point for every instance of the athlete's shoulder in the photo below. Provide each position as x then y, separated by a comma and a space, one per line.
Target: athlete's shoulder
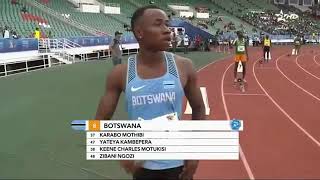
183, 60
118, 75
184, 64
235, 41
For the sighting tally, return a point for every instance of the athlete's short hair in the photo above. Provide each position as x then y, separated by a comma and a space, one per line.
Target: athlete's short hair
139, 13
240, 33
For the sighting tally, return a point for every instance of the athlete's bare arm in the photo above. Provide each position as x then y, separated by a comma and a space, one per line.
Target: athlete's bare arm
246, 46
111, 46
115, 84
114, 87
191, 87
189, 80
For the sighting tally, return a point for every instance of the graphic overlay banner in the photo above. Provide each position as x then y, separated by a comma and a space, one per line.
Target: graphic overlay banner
161, 140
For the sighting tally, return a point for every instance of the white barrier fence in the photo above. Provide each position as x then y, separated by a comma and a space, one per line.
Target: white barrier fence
22, 62
36, 60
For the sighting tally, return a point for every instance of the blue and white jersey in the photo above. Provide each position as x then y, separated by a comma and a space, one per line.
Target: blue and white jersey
149, 99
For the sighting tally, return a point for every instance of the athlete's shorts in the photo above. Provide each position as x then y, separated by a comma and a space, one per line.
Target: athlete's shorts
266, 49
165, 174
240, 57
297, 46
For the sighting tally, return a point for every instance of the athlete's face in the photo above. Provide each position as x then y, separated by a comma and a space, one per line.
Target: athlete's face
118, 36
240, 35
153, 30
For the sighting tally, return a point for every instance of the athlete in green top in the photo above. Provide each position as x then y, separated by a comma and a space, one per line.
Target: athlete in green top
241, 54
297, 44
240, 45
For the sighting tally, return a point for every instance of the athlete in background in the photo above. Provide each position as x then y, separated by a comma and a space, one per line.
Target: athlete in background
297, 45
267, 48
241, 54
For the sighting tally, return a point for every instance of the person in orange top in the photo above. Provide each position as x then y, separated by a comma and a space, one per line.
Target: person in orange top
241, 55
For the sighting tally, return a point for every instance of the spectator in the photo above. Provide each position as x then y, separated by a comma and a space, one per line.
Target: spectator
281, 23
174, 42
202, 43
186, 43
206, 45
15, 35
6, 34
49, 34
1, 32
24, 9
14, 2
45, 1
197, 42
37, 33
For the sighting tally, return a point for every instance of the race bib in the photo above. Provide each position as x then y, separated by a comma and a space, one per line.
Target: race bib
241, 48
166, 117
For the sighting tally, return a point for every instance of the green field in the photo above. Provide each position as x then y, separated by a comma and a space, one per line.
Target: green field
36, 110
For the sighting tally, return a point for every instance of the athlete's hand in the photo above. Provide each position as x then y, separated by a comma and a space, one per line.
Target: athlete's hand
190, 167
129, 166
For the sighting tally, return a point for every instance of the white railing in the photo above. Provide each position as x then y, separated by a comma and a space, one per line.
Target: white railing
56, 44
27, 68
59, 49
64, 57
50, 56
71, 43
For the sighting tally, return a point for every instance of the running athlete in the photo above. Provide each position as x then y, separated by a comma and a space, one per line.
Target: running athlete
266, 48
241, 55
154, 83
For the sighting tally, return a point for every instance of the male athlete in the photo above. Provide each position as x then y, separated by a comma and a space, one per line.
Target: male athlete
241, 55
151, 74
266, 48
297, 45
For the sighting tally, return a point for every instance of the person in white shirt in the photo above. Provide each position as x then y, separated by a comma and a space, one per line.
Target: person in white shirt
186, 43
6, 34
174, 42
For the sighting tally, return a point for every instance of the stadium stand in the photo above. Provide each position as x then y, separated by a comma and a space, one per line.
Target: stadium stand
224, 16
24, 23
86, 33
